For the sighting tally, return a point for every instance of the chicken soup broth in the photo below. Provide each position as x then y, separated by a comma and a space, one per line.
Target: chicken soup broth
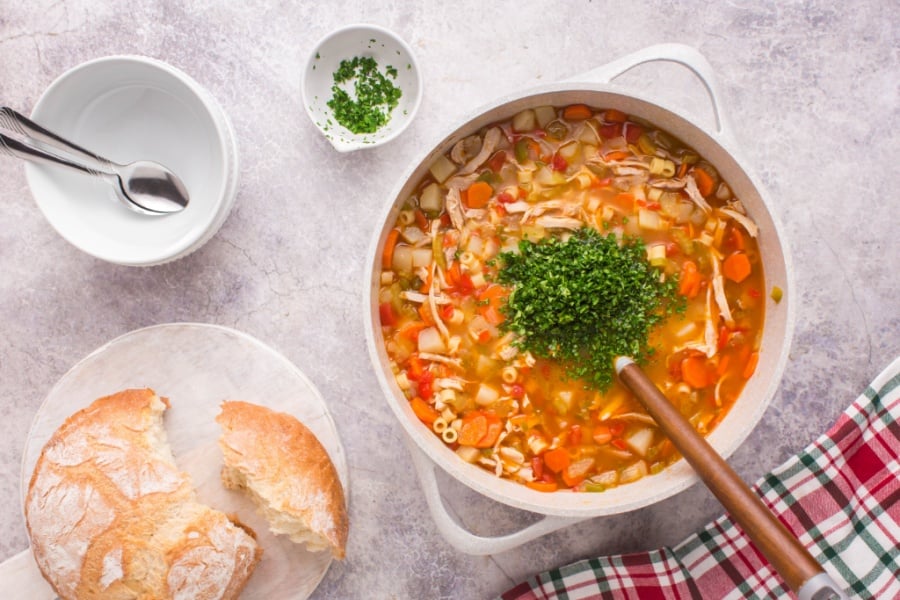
456, 329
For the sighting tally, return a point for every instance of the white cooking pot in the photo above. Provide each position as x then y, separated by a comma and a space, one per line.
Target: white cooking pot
564, 507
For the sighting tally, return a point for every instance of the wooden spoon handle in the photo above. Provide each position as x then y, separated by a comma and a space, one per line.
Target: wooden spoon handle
784, 552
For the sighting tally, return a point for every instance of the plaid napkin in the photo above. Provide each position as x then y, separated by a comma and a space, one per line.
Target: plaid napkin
841, 496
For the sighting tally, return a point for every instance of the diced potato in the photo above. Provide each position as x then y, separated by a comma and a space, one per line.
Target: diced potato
639, 441
468, 453
633, 472
562, 401
431, 201
524, 121
442, 168
486, 394
569, 151
402, 260
422, 257
649, 219
430, 340
412, 235
588, 134
544, 114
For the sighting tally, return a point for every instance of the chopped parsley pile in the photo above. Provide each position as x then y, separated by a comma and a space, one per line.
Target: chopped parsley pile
584, 301
374, 95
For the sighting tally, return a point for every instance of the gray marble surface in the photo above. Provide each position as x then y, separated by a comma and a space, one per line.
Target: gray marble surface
812, 92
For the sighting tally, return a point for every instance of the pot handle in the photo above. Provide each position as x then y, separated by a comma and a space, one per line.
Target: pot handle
682, 54
464, 540
21, 573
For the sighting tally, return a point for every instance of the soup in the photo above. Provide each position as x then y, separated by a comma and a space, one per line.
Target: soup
547, 177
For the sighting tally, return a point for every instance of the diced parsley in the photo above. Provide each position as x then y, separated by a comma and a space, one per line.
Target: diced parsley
375, 95
585, 301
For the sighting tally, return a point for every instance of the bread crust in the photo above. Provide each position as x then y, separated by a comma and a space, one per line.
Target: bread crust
288, 473
111, 516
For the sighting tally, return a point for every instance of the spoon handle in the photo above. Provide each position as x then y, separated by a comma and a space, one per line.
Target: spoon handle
19, 123
785, 553
19, 149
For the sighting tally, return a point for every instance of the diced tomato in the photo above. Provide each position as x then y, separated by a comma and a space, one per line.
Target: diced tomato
421, 220
610, 130
496, 162
484, 337
672, 249
426, 385
537, 466
517, 391
633, 132
446, 312
619, 443
416, 367
505, 198
753, 293
386, 312
575, 435
616, 428
559, 163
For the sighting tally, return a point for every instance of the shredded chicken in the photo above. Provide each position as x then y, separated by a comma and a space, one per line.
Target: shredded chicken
432, 304
744, 220
491, 139
413, 296
449, 383
694, 194
453, 204
454, 362
465, 149
667, 184
461, 182
719, 291
551, 222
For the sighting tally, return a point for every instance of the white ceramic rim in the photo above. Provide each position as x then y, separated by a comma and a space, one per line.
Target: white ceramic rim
743, 416
225, 140
356, 140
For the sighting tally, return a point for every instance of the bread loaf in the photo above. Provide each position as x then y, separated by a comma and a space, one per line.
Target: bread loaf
111, 516
284, 468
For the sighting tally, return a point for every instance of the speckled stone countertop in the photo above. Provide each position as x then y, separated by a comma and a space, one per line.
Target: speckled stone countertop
811, 90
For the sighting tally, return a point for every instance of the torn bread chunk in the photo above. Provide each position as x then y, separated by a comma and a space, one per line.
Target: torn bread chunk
110, 515
287, 472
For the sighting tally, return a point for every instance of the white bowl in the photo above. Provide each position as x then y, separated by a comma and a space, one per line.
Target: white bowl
345, 43
129, 108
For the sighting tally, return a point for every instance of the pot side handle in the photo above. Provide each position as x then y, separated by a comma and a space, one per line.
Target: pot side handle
682, 54
464, 540
21, 573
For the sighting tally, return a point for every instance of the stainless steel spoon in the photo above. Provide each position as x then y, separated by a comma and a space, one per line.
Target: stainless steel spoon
143, 186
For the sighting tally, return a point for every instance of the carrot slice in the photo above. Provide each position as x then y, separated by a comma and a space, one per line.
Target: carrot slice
736, 267
694, 372
387, 257
424, 411
556, 460
577, 112
478, 194
542, 486
615, 116
689, 281
705, 183
750, 368
474, 427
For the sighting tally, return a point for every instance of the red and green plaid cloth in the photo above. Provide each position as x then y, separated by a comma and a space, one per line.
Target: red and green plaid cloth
840, 496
